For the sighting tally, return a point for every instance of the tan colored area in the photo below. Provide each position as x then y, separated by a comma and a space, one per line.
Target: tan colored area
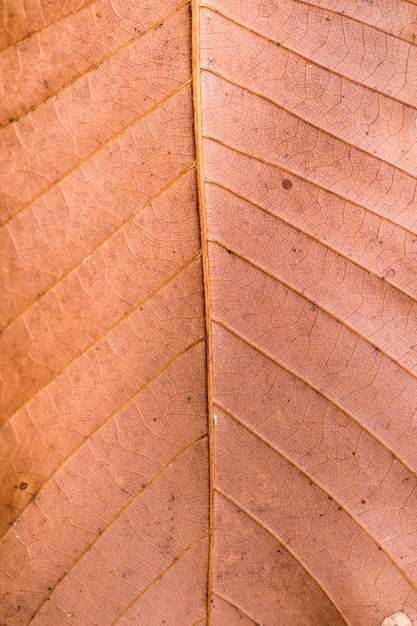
208, 278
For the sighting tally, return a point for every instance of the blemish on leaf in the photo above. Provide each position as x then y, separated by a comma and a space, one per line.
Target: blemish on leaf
286, 183
23, 486
397, 619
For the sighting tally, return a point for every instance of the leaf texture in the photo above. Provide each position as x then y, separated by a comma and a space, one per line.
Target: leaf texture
208, 356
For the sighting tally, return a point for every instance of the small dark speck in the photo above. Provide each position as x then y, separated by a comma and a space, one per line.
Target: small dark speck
327, 19
45, 82
229, 252
330, 497
287, 184
189, 398
23, 486
99, 531
363, 501
353, 452
49, 588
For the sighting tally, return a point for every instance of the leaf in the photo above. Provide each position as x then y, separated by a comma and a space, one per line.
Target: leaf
208, 270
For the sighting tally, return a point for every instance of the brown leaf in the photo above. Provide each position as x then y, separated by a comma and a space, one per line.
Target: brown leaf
208, 356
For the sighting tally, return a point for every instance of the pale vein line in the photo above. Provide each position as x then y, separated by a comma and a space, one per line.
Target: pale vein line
272, 534
49, 25
303, 120
315, 238
165, 367
320, 306
97, 538
104, 334
198, 136
309, 59
106, 239
238, 608
100, 62
102, 146
319, 392
357, 20
310, 181
162, 573
323, 489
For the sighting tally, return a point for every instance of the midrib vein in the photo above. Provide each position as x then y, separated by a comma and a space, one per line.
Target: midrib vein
198, 136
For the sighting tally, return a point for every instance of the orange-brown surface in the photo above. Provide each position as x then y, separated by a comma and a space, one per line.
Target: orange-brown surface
208, 316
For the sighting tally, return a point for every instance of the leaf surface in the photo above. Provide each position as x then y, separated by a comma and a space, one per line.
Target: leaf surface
208, 319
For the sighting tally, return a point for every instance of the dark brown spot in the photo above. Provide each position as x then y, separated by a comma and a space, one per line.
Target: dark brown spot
287, 184
23, 486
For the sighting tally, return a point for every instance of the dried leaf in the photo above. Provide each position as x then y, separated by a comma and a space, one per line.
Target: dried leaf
208, 356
